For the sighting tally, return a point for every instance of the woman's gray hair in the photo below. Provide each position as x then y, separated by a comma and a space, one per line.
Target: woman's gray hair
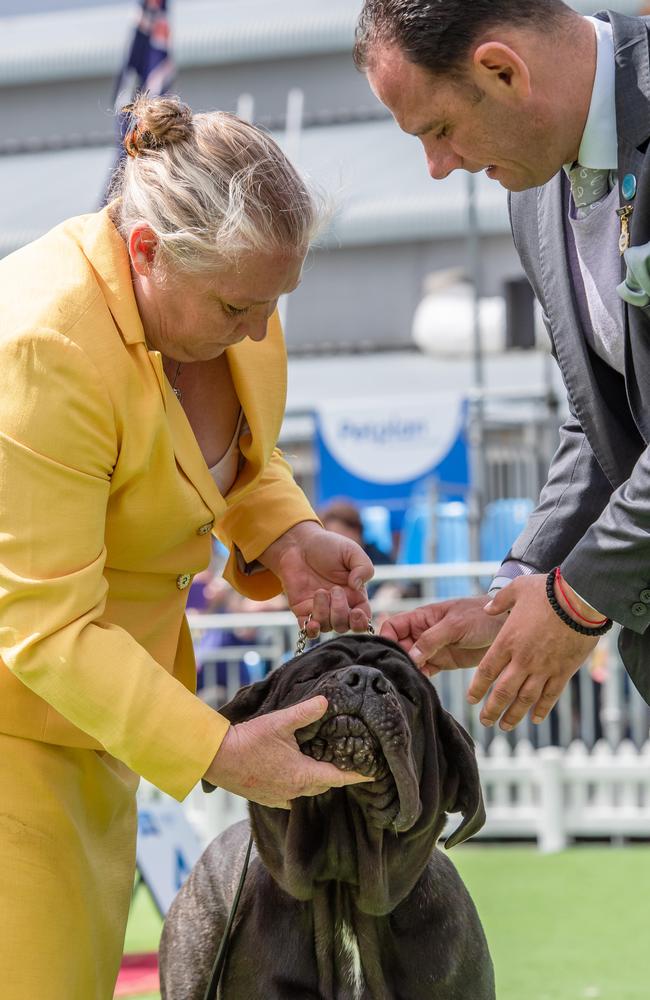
212, 188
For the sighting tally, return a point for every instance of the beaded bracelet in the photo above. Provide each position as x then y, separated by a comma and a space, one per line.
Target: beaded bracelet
567, 619
586, 621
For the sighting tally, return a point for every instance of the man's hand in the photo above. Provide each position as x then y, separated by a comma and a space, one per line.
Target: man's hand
323, 574
261, 761
531, 660
446, 635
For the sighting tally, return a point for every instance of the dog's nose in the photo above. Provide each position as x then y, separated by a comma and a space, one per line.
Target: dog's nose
361, 678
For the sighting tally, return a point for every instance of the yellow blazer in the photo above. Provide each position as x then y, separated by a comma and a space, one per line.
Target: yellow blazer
107, 506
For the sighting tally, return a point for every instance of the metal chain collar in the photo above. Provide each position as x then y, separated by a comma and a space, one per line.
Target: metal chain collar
301, 642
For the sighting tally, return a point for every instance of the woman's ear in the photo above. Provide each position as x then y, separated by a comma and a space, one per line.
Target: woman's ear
142, 244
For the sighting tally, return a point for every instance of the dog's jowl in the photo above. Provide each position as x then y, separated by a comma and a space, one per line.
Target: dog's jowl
348, 896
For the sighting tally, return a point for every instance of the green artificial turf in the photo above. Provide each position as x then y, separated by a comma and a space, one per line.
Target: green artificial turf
144, 926
570, 926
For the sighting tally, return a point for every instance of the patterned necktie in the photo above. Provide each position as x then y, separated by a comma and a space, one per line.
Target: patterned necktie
588, 187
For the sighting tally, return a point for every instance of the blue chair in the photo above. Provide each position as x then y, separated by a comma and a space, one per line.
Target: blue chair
416, 542
437, 533
502, 521
452, 545
376, 527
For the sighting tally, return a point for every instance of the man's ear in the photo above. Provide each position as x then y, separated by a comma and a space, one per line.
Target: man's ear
501, 72
462, 787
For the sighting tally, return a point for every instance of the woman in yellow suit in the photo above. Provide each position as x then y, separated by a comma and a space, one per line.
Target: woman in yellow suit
144, 379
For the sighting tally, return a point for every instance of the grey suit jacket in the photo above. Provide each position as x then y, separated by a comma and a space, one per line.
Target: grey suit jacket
593, 516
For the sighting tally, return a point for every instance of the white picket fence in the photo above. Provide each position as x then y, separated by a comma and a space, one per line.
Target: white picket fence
555, 795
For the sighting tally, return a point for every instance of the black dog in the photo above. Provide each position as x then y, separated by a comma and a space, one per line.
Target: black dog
347, 896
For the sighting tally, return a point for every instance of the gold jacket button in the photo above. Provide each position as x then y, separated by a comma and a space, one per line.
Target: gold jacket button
205, 528
183, 580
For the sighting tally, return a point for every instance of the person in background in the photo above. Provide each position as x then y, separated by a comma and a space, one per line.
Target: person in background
225, 674
556, 108
144, 376
344, 517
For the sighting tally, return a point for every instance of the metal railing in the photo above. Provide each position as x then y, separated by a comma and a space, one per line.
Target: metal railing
600, 702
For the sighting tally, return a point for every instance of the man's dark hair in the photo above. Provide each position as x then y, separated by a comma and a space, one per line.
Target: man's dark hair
438, 34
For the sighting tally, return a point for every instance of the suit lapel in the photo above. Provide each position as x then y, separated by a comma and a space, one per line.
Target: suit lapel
188, 454
613, 438
573, 355
633, 124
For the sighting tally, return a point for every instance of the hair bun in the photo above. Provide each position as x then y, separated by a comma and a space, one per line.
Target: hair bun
156, 122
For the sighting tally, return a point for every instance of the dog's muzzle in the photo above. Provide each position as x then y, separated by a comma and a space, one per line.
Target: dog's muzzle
345, 741
364, 730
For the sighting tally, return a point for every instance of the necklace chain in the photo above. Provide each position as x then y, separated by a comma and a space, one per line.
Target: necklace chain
177, 392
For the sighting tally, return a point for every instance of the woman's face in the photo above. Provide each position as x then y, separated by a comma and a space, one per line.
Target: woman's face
195, 318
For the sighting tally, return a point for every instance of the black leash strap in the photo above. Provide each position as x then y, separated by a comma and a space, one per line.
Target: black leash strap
220, 960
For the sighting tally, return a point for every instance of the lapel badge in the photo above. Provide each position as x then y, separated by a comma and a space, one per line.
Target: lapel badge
628, 187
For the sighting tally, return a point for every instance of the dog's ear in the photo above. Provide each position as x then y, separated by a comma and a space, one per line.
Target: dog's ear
246, 703
250, 699
462, 787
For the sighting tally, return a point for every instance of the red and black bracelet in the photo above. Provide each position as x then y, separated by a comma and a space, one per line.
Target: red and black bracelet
567, 619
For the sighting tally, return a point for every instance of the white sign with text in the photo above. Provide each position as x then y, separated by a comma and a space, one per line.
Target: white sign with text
397, 440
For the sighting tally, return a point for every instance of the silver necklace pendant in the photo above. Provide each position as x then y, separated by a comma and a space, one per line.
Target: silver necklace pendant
177, 392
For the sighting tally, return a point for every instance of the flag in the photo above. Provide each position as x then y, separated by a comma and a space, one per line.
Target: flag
149, 66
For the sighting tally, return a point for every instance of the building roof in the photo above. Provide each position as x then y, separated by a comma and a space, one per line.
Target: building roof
51, 44
375, 174
77, 43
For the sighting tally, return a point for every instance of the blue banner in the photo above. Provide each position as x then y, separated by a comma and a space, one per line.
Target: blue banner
385, 452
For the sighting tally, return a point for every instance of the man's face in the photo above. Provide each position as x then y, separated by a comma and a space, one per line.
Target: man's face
462, 127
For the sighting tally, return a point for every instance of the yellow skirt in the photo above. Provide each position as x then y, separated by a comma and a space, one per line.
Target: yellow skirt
67, 858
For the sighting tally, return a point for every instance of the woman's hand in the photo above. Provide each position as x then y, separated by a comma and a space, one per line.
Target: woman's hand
323, 574
261, 760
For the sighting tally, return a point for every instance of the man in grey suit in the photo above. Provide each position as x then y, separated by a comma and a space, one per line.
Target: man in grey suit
556, 108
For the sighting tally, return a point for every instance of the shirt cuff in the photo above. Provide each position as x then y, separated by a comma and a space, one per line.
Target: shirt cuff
509, 571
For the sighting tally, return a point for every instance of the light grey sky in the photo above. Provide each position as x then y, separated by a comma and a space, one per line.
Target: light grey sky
13, 8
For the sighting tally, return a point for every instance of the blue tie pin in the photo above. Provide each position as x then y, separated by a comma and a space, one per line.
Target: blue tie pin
628, 187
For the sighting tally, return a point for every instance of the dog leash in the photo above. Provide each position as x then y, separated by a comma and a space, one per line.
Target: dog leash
220, 960
301, 641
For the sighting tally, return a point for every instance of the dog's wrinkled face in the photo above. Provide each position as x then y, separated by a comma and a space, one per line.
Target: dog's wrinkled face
371, 726
384, 720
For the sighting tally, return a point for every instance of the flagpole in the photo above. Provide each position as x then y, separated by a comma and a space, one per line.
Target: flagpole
292, 136
476, 428
245, 107
148, 67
